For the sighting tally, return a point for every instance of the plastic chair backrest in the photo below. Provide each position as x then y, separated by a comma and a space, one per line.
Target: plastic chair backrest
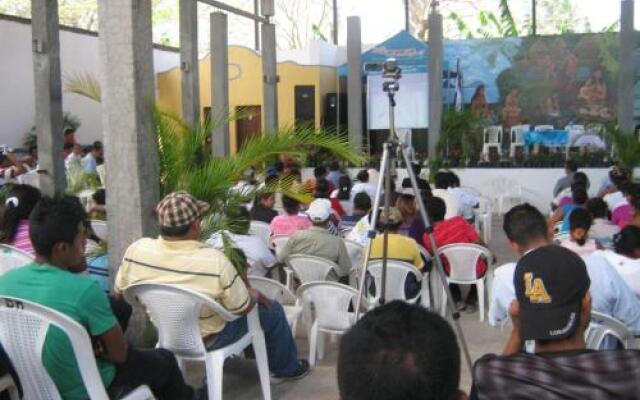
100, 228
397, 272
485, 205
331, 302
517, 133
274, 290
23, 329
102, 174
493, 135
310, 268
603, 326
175, 311
261, 230
542, 128
277, 242
12, 258
354, 250
575, 128
463, 259
30, 178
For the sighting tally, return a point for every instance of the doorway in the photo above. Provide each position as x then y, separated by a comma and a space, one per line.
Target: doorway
248, 125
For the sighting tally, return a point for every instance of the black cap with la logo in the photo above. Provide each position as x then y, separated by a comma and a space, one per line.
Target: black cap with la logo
550, 283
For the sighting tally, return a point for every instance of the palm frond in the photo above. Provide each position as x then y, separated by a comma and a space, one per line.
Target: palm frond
625, 145
510, 27
83, 84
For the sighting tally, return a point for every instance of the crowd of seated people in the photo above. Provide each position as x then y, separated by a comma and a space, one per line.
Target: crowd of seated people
594, 267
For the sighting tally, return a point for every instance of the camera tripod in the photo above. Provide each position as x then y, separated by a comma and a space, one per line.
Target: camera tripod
394, 148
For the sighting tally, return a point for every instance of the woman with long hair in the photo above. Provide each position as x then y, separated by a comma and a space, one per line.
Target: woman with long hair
14, 224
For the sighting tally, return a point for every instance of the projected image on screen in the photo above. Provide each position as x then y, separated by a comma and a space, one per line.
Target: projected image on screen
412, 109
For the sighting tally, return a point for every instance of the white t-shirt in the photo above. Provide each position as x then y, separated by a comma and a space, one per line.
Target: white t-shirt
367, 187
615, 200
628, 268
453, 208
258, 254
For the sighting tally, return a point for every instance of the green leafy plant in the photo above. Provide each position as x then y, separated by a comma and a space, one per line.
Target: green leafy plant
69, 122
186, 161
626, 147
460, 139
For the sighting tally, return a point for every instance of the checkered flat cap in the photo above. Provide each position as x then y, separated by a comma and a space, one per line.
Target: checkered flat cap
180, 209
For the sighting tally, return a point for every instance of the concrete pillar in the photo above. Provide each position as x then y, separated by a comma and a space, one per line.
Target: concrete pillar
354, 81
128, 92
270, 78
220, 84
626, 77
435, 80
189, 63
48, 94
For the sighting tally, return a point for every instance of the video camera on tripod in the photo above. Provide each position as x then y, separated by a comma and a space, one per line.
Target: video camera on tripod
391, 74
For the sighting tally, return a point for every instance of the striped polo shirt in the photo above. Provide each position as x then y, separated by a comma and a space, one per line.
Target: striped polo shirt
188, 264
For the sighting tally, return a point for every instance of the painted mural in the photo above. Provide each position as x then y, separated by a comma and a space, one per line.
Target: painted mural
553, 80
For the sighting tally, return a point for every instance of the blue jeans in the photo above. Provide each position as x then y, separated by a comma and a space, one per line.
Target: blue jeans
281, 348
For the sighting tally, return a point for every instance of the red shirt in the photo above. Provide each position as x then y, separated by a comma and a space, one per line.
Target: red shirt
453, 231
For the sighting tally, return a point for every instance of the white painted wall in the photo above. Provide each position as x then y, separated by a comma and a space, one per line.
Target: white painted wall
79, 54
537, 184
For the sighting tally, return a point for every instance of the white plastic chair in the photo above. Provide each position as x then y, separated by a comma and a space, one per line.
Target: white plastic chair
8, 385
463, 259
347, 206
542, 128
23, 329
517, 138
397, 273
275, 290
12, 258
354, 250
100, 228
30, 178
102, 174
602, 327
261, 230
175, 311
508, 194
277, 243
492, 138
484, 216
309, 268
328, 304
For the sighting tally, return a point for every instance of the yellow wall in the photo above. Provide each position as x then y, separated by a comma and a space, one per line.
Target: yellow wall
245, 86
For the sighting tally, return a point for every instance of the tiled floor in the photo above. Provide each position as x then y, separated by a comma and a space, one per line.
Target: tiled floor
241, 378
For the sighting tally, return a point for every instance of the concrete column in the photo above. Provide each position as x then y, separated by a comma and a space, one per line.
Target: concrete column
189, 63
220, 84
270, 78
128, 92
354, 81
48, 94
626, 77
435, 80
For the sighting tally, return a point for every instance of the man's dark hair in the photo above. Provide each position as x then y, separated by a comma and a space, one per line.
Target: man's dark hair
27, 196
581, 177
334, 166
279, 166
362, 201
55, 220
437, 209
454, 180
100, 197
319, 172
598, 208
174, 231
97, 145
524, 224
68, 146
322, 189
68, 131
627, 241
442, 180
416, 167
399, 351
363, 176
580, 218
290, 205
579, 196
571, 166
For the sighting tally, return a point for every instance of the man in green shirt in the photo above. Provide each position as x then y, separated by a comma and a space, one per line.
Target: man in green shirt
58, 234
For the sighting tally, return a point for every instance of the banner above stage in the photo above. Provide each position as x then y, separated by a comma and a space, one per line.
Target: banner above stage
410, 53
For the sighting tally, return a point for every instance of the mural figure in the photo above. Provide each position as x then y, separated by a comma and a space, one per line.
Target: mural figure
512, 113
593, 97
479, 105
